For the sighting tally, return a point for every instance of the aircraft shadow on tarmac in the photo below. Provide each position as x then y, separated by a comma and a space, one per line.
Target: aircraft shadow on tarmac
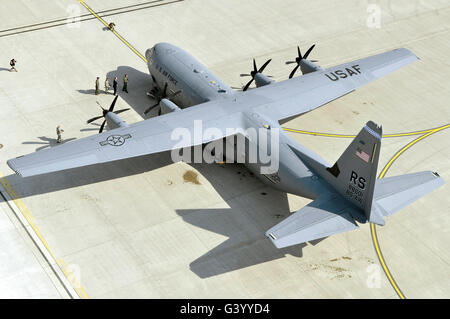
246, 244
48, 142
139, 83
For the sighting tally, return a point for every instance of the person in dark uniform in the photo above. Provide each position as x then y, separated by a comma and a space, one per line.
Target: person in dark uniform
12, 63
115, 83
125, 83
97, 86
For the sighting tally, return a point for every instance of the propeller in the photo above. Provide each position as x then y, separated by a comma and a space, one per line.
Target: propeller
299, 58
111, 109
253, 73
159, 97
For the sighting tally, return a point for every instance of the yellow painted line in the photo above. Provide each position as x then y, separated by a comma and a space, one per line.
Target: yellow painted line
115, 33
389, 164
383, 263
317, 133
353, 136
73, 280
15, 196
373, 227
26, 213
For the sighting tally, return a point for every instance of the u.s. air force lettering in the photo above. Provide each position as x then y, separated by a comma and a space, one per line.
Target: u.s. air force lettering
115, 140
342, 74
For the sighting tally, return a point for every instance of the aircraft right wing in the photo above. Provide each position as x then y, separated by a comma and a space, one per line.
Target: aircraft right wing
328, 215
310, 91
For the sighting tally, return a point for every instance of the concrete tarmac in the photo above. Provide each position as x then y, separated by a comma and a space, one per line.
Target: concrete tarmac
149, 228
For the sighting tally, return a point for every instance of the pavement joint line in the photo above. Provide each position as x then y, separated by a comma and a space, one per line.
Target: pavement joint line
113, 31
82, 18
25, 218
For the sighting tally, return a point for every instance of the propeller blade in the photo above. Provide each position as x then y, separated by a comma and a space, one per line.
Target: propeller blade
299, 53
309, 51
247, 85
151, 96
120, 111
102, 127
111, 108
255, 69
151, 108
100, 105
293, 71
165, 90
93, 119
290, 62
242, 75
314, 61
261, 69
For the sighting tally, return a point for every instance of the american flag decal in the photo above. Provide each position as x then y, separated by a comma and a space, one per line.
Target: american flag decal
363, 155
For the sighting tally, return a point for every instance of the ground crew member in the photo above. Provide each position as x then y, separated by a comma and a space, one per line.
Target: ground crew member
97, 86
111, 26
125, 83
107, 85
115, 83
12, 63
59, 131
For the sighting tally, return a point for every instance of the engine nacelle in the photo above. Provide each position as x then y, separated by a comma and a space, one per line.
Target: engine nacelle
114, 121
262, 79
307, 66
167, 106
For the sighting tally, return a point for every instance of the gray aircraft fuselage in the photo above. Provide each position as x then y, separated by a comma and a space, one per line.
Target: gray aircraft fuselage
174, 66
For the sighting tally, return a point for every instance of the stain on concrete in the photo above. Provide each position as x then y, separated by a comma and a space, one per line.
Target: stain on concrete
191, 177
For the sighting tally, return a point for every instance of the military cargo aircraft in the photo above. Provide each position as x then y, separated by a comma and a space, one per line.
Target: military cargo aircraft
187, 93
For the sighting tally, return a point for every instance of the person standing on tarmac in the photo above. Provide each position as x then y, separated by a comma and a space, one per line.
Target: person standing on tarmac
59, 132
125, 83
97, 86
12, 63
115, 84
107, 86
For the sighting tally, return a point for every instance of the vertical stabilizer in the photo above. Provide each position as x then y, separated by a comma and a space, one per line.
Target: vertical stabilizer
354, 173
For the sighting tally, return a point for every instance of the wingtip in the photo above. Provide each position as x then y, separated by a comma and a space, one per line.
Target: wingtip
12, 166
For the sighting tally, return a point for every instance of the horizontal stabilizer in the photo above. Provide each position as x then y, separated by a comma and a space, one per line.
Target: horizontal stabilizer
394, 193
323, 217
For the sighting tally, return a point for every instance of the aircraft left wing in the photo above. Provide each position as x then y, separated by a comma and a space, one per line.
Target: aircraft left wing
327, 215
147, 137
